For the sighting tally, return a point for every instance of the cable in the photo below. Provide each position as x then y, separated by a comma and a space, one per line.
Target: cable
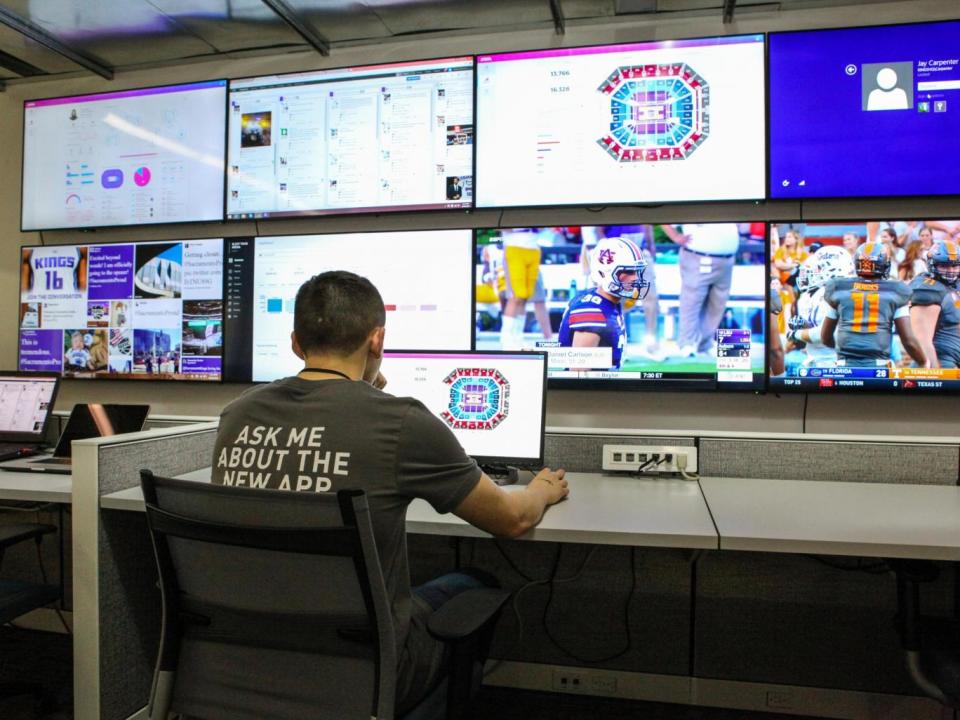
626, 613
500, 219
42, 241
511, 563
806, 401
597, 209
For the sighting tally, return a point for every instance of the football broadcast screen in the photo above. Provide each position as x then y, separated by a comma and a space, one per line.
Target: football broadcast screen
425, 278
134, 157
144, 311
669, 306
865, 306
670, 121
362, 139
493, 402
863, 112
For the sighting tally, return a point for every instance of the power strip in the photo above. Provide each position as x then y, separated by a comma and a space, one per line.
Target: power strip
649, 458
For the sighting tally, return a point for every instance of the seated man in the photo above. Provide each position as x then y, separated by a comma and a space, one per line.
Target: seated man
331, 428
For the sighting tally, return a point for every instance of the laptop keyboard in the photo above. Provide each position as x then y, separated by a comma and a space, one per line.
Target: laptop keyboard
54, 461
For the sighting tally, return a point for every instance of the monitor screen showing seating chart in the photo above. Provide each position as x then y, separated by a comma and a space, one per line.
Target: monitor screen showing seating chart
135, 311
133, 157
362, 139
494, 402
667, 121
658, 306
866, 306
865, 112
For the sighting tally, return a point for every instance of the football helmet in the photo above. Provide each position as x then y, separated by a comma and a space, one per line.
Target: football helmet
611, 259
872, 261
944, 262
826, 263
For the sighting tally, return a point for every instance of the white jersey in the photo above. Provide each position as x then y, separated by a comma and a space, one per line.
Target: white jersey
54, 273
812, 309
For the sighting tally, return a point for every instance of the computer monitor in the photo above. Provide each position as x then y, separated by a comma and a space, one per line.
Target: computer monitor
871, 111
94, 420
494, 402
665, 121
132, 157
361, 139
425, 278
26, 402
878, 319
141, 311
696, 323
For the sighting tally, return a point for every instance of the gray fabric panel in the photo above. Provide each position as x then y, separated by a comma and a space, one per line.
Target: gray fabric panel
129, 597
584, 453
812, 460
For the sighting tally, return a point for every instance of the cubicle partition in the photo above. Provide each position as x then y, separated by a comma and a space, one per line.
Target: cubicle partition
115, 582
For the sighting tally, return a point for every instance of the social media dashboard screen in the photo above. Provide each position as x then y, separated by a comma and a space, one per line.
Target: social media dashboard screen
141, 311
679, 120
493, 402
134, 157
865, 112
697, 320
425, 279
363, 139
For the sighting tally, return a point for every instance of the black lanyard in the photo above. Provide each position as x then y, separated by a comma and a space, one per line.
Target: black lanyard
328, 371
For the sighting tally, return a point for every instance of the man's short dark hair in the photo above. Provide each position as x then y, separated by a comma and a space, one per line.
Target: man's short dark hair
335, 312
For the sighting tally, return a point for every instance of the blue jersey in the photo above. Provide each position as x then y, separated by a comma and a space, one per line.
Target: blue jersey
591, 312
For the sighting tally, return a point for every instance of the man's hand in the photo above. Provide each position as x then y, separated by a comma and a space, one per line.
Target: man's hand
379, 382
552, 484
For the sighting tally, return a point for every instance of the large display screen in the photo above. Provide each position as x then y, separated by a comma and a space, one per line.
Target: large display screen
145, 311
865, 111
133, 157
425, 278
493, 402
381, 137
678, 120
866, 305
671, 306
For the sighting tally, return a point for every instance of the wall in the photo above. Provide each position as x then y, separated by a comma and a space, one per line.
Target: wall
886, 415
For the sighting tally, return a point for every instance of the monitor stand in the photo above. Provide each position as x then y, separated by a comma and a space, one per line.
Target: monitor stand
507, 474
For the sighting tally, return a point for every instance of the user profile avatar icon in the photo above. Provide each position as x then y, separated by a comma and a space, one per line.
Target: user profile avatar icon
887, 86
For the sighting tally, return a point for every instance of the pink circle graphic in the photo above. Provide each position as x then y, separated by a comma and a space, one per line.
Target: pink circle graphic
142, 176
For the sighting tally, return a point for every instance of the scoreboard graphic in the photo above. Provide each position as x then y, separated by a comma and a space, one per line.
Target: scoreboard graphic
657, 112
479, 399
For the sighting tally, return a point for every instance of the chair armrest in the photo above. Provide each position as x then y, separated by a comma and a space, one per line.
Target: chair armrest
466, 613
11, 535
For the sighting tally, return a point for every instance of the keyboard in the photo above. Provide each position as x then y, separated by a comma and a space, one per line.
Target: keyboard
54, 461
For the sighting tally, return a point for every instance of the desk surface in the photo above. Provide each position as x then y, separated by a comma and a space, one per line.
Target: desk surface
601, 510
43, 487
836, 518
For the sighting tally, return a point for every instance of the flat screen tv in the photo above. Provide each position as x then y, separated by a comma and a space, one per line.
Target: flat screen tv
362, 139
865, 112
666, 121
132, 157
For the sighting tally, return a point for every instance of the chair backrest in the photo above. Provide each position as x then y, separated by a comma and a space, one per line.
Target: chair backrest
274, 603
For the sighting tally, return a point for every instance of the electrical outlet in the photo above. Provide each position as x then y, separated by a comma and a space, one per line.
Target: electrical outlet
568, 681
586, 682
780, 699
652, 458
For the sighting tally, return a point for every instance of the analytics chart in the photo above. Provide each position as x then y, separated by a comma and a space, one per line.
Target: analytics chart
668, 121
384, 137
134, 157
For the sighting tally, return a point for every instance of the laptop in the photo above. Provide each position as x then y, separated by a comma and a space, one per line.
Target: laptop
26, 403
85, 421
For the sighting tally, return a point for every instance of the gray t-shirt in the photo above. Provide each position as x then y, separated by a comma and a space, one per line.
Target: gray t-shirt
324, 436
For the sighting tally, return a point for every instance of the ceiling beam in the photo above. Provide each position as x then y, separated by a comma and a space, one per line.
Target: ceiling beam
728, 7
41, 36
559, 21
299, 25
18, 66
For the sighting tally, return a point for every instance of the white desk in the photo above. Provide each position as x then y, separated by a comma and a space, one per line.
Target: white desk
602, 510
36, 486
836, 518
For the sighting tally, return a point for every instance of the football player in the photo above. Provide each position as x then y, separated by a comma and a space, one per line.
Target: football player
863, 311
935, 305
594, 317
811, 309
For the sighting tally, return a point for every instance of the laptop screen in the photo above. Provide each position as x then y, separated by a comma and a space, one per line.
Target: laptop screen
95, 420
25, 405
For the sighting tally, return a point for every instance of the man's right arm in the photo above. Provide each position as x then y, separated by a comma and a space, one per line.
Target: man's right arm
511, 514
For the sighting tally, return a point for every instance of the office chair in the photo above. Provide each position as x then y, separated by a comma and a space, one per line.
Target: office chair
931, 644
18, 598
274, 605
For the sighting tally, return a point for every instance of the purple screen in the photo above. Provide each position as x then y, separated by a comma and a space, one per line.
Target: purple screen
865, 112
